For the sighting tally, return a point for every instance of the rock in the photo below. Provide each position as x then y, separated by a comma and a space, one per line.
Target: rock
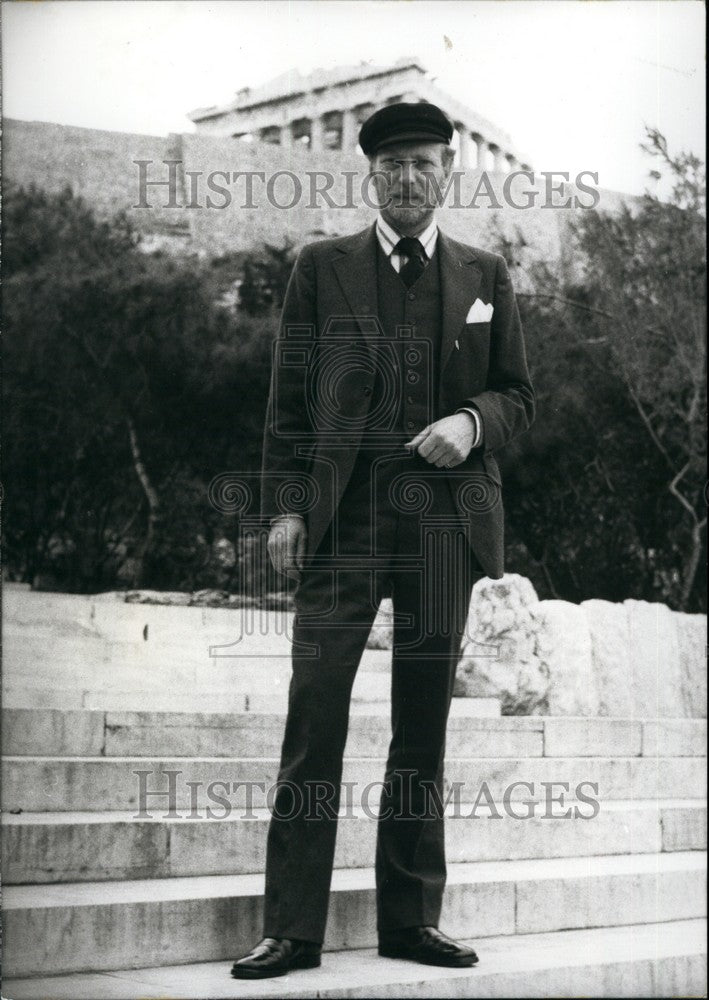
277, 600
652, 673
648, 661
224, 553
692, 651
210, 598
499, 654
157, 597
382, 634
610, 652
242, 601
564, 649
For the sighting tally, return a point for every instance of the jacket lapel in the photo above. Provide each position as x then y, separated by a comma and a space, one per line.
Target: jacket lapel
356, 270
460, 280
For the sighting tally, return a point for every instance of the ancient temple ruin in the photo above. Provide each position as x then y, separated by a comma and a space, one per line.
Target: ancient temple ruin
325, 109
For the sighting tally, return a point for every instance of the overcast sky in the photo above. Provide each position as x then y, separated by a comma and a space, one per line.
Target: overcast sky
572, 82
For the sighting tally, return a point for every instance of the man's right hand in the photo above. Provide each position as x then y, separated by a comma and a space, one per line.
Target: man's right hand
286, 545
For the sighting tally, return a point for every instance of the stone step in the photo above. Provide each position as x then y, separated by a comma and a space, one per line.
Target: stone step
189, 734
28, 731
103, 846
164, 635
639, 960
107, 617
193, 690
118, 644
370, 695
117, 925
80, 661
88, 784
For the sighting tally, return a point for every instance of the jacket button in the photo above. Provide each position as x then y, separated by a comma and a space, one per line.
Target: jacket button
412, 378
367, 390
410, 424
412, 295
409, 399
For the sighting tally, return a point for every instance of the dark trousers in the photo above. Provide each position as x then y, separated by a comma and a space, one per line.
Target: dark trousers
394, 540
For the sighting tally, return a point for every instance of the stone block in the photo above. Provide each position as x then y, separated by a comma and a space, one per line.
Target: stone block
583, 737
674, 737
692, 642
608, 891
610, 651
653, 669
684, 828
52, 732
565, 650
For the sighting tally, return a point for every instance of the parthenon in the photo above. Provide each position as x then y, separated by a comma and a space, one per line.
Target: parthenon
324, 110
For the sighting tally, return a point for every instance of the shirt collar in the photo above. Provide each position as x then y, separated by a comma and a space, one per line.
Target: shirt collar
388, 237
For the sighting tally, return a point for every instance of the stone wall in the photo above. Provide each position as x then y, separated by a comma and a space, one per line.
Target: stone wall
596, 658
100, 166
630, 660
96, 164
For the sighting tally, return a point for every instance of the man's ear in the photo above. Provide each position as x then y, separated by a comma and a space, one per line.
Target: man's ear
447, 158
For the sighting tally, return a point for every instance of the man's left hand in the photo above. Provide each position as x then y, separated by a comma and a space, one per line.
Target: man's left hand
447, 442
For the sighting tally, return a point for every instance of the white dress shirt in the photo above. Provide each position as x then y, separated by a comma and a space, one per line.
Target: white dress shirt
388, 238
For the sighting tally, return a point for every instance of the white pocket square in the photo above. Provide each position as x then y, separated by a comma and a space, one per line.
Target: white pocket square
479, 312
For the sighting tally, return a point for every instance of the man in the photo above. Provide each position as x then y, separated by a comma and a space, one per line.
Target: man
399, 368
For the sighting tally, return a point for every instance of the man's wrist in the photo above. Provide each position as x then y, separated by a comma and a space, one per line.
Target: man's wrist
477, 424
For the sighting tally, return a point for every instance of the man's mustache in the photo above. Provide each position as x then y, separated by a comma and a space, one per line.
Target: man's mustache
399, 198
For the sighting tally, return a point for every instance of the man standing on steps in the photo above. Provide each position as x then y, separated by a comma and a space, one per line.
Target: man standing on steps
399, 369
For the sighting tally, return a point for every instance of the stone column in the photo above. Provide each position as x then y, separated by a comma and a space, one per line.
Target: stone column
466, 148
513, 162
481, 147
499, 162
350, 132
286, 136
316, 135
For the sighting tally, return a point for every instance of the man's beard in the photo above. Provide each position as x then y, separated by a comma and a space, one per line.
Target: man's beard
408, 215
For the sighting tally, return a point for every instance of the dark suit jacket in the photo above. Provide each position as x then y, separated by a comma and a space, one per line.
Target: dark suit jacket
337, 278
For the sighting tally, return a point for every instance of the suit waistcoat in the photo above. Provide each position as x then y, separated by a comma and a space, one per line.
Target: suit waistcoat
404, 397
404, 394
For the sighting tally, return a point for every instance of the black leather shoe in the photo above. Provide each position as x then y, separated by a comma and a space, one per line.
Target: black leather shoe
427, 945
276, 957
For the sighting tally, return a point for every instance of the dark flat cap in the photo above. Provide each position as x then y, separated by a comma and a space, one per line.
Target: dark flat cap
404, 122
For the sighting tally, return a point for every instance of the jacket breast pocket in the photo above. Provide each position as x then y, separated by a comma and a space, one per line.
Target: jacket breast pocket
475, 329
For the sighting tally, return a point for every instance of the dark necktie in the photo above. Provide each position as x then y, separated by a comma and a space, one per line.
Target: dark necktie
410, 247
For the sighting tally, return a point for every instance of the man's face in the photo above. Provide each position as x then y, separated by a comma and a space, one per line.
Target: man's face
407, 177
